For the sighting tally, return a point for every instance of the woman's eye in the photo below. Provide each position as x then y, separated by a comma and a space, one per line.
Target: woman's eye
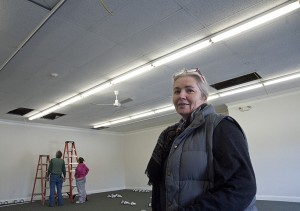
190, 91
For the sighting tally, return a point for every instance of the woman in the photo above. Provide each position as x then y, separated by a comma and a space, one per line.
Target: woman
202, 162
80, 175
56, 169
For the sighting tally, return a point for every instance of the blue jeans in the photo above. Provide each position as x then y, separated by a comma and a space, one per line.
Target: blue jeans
55, 180
81, 190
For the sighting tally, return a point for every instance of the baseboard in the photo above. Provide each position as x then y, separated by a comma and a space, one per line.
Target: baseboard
139, 188
105, 190
278, 198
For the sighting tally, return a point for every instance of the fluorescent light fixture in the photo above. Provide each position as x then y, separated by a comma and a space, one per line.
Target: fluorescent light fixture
168, 108
212, 97
144, 114
55, 107
96, 89
239, 90
181, 53
281, 79
103, 124
112, 122
45, 112
134, 116
256, 22
132, 74
125, 119
70, 100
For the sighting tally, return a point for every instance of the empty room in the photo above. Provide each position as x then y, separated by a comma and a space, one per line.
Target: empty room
171, 104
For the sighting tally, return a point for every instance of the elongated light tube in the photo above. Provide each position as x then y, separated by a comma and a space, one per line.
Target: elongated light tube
281, 79
55, 107
112, 122
132, 74
181, 53
164, 109
144, 114
212, 97
96, 89
243, 89
45, 112
256, 22
70, 100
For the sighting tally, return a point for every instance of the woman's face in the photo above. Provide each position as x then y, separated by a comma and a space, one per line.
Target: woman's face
187, 96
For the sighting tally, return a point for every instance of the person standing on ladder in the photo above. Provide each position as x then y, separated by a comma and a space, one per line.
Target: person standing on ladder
56, 169
80, 175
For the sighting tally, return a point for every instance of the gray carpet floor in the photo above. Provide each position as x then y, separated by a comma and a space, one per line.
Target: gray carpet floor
101, 202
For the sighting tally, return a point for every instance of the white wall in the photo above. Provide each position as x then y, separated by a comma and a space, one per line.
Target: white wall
22, 144
273, 130
138, 148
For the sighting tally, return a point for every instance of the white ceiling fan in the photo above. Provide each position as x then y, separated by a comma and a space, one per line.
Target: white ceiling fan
115, 104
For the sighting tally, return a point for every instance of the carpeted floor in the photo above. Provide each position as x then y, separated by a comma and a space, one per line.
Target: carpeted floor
101, 202
96, 202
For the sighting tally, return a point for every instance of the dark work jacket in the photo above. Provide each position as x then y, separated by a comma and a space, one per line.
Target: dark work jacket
209, 167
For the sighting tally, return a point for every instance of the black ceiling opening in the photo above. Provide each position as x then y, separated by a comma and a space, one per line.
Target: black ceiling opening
236, 81
53, 116
20, 111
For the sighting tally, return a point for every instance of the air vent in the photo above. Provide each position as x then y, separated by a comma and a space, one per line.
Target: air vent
20, 111
53, 116
236, 81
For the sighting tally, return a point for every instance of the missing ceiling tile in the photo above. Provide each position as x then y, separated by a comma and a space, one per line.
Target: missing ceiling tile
52, 116
20, 111
236, 81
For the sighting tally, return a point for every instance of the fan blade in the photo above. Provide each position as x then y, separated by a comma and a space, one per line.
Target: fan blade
127, 100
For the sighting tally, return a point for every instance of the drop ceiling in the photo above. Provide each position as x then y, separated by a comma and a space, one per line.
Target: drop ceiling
52, 50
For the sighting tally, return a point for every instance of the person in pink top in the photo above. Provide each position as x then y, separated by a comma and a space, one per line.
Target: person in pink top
80, 175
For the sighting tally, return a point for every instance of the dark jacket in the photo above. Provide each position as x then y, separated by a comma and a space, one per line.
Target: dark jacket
209, 167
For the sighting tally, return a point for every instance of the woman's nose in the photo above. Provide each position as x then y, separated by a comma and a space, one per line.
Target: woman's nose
182, 94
